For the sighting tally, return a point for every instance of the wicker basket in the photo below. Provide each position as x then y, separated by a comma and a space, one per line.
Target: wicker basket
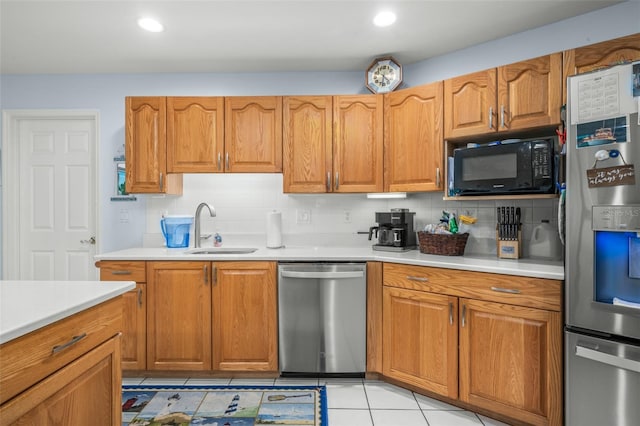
443, 244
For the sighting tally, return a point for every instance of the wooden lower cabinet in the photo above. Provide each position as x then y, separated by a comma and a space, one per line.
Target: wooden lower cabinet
510, 360
85, 392
421, 339
245, 324
134, 322
179, 316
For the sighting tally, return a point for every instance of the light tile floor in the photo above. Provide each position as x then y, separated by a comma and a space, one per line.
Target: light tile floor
357, 402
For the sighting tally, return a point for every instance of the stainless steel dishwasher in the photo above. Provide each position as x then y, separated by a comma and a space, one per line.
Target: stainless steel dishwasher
322, 318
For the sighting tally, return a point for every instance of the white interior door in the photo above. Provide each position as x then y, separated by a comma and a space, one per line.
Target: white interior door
56, 196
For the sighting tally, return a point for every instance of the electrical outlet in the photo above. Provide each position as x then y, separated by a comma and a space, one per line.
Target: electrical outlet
346, 218
303, 217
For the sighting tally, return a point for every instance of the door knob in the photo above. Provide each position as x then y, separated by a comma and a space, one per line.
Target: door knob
91, 240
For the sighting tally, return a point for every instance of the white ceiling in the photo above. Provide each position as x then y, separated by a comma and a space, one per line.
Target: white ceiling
92, 36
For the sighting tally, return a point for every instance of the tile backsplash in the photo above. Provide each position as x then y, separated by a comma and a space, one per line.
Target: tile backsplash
242, 202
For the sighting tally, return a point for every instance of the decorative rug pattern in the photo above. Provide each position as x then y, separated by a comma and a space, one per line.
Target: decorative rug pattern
154, 405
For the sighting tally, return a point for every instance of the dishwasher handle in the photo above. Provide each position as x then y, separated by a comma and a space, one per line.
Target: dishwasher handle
320, 274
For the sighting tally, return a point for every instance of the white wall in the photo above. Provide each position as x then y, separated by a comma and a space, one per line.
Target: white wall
106, 93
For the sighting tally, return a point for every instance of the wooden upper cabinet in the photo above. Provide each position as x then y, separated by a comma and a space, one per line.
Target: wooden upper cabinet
420, 332
358, 143
511, 360
517, 96
413, 139
530, 93
146, 147
195, 134
253, 134
470, 104
307, 140
604, 54
245, 320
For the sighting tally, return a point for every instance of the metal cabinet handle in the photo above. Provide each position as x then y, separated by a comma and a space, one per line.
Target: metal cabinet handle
139, 297
226, 161
123, 272
501, 115
506, 290
219, 160
161, 181
607, 358
337, 180
420, 279
464, 314
491, 118
204, 270
438, 176
451, 313
214, 273
328, 181
73, 341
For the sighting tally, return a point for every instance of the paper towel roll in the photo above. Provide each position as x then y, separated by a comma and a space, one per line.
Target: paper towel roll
274, 229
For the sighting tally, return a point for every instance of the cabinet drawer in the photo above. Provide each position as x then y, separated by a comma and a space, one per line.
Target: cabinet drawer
123, 271
34, 356
524, 291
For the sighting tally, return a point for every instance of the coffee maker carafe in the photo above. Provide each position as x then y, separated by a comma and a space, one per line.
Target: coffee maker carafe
394, 231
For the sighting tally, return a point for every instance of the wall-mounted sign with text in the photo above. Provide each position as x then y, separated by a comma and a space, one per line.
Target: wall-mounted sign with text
611, 176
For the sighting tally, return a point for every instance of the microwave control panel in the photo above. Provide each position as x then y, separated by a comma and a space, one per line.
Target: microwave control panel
541, 160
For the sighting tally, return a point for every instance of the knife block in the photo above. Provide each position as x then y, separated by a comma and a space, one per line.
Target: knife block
509, 249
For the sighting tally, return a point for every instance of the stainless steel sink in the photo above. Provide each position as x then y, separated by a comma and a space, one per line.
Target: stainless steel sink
221, 250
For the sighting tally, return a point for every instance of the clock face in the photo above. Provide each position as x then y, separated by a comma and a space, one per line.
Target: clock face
384, 75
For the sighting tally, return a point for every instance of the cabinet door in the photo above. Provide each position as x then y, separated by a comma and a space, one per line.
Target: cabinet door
604, 54
413, 139
358, 143
85, 392
195, 134
470, 104
530, 93
146, 146
510, 361
420, 339
245, 333
253, 134
307, 140
178, 315
134, 329
134, 324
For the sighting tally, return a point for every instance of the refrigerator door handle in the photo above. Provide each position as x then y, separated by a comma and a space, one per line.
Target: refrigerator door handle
606, 358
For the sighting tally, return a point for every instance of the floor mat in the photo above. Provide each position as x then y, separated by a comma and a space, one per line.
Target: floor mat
224, 405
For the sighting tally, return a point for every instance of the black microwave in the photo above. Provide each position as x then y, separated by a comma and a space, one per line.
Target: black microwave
517, 167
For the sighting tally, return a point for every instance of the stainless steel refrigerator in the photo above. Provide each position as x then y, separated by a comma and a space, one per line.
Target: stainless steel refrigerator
602, 243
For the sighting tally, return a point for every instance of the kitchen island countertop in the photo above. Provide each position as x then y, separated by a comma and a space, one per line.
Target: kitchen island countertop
537, 268
26, 306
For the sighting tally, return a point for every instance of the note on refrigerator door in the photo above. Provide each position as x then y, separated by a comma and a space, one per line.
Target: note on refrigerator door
634, 257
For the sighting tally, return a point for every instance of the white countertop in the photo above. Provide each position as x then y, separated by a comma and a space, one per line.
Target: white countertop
26, 306
537, 268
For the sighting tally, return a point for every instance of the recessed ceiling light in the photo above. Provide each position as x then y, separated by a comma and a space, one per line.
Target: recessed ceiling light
384, 18
150, 24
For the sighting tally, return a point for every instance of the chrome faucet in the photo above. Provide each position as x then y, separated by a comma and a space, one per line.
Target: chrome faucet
212, 212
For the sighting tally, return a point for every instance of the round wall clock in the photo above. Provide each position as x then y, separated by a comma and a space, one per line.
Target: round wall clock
383, 75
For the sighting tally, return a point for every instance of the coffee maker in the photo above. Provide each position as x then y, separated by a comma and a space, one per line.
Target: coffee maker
394, 231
